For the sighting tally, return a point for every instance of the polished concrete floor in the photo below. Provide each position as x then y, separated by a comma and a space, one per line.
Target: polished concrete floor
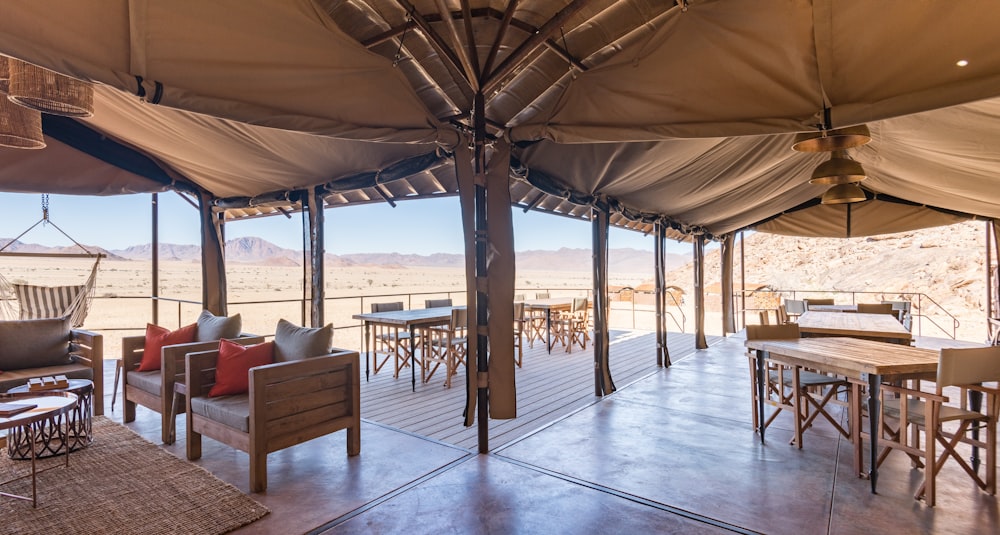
673, 452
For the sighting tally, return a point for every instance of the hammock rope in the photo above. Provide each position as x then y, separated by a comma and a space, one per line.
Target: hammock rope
28, 301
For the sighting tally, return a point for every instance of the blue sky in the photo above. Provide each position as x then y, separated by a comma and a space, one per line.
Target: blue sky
420, 227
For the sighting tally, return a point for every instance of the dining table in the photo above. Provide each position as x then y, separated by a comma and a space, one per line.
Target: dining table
550, 305
406, 319
863, 362
879, 327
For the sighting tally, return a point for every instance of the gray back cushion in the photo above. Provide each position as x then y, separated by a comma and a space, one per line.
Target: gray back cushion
212, 327
292, 342
34, 343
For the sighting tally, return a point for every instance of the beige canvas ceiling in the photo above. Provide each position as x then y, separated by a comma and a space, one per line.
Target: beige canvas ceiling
680, 111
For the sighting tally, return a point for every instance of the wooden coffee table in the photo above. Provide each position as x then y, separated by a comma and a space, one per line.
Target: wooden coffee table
50, 405
49, 439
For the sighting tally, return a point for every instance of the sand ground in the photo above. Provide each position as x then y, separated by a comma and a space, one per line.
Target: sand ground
264, 294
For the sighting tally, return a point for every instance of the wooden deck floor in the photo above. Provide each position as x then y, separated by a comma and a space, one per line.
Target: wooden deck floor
549, 387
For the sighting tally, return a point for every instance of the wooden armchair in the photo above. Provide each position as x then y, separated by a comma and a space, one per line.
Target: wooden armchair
875, 308
815, 390
447, 344
572, 327
944, 424
288, 403
392, 340
519, 331
155, 389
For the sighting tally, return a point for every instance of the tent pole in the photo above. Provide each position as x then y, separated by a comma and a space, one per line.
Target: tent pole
699, 293
482, 311
743, 280
659, 290
728, 316
603, 384
156, 258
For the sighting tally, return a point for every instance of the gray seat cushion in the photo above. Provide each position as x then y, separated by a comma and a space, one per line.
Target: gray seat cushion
231, 411
146, 381
212, 327
34, 343
15, 378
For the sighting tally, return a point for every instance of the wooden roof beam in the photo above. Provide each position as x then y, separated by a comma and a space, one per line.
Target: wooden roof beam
519, 56
465, 58
449, 59
508, 16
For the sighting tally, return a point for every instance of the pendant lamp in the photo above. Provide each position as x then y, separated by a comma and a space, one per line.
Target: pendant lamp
4, 75
843, 194
828, 140
46, 91
839, 169
20, 128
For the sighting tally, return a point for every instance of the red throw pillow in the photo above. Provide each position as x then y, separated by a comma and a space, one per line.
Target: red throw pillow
232, 371
157, 337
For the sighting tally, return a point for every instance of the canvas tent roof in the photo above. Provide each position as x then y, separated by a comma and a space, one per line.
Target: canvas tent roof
682, 112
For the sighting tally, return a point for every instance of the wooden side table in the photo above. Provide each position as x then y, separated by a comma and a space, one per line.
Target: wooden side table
49, 438
50, 406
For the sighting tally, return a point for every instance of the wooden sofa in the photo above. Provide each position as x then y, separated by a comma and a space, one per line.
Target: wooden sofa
288, 403
41, 347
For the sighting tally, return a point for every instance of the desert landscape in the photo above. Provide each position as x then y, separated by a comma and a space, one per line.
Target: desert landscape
943, 268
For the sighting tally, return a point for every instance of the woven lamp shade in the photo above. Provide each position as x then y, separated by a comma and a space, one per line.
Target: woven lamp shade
4, 74
49, 92
20, 127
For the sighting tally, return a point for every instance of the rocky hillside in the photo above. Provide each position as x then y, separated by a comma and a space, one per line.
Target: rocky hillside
946, 264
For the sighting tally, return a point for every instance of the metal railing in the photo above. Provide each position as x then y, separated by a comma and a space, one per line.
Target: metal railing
340, 309
924, 308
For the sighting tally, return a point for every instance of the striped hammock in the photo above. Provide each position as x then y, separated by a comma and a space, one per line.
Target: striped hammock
36, 302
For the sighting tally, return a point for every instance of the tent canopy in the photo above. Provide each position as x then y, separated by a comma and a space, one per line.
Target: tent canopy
681, 112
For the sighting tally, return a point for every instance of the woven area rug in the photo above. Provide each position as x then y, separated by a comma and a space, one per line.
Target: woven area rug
122, 483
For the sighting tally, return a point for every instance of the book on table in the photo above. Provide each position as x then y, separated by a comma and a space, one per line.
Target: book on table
10, 409
47, 383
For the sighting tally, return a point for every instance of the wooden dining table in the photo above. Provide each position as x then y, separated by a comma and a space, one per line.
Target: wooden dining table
878, 327
407, 319
550, 305
862, 362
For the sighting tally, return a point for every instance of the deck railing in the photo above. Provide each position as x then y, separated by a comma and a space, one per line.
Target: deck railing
925, 310
171, 311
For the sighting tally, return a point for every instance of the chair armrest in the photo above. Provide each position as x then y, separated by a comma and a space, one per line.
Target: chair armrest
172, 359
88, 348
199, 372
132, 347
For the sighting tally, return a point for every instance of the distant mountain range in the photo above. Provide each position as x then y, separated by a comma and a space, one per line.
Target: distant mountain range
257, 251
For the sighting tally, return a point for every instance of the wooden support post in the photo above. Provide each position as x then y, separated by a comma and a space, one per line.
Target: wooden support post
313, 214
213, 257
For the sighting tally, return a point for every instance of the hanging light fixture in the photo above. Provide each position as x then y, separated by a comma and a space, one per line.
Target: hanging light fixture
20, 128
828, 140
46, 91
4, 74
843, 194
839, 169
